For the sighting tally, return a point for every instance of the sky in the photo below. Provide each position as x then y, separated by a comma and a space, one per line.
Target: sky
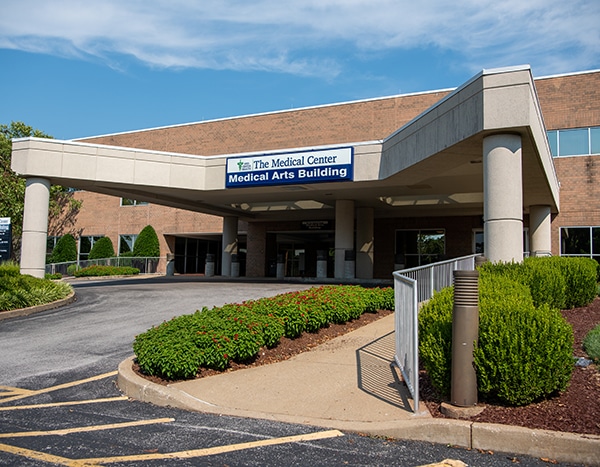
74, 68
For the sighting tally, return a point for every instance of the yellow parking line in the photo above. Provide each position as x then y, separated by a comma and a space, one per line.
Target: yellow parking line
27, 393
215, 450
62, 404
6, 391
447, 463
84, 429
41, 456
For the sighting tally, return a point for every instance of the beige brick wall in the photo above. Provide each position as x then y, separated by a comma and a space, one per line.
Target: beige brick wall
334, 124
104, 215
570, 101
579, 194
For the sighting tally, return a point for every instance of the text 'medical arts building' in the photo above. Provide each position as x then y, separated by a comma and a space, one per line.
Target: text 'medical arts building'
505, 164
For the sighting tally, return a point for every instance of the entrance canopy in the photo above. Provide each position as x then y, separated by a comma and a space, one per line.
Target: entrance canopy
432, 165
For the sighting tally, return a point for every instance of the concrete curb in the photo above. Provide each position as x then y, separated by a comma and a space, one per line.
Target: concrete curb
36, 309
563, 447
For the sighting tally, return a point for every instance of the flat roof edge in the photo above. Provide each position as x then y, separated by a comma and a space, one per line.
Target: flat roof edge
195, 156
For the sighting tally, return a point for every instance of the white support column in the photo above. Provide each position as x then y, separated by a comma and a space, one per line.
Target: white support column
503, 198
35, 227
540, 234
364, 243
230, 243
344, 233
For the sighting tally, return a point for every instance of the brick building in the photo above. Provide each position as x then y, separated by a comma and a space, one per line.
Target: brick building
504, 164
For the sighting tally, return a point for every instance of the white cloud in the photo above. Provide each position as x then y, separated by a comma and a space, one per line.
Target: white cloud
302, 37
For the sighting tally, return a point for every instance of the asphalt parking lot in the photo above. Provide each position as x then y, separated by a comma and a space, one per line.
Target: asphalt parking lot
59, 403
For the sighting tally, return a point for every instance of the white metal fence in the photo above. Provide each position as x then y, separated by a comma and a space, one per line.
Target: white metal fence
146, 265
412, 287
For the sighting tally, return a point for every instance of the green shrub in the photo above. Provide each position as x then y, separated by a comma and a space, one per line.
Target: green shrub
558, 281
213, 338
524, 353
101, 270
591, 344
10, 268
54, 276
146, 243
546, 282
103, 248
65, 250
581, 276
435, 338
71, 269
23, 291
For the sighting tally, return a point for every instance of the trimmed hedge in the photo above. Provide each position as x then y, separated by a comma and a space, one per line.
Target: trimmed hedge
558, 281
103, 248
212, 338
146, 244
100, 270
22, 291
524, 353
525, 348
65, 250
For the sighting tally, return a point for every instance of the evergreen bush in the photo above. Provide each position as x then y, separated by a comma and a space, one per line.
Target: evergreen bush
435, 338
581, 277
561, 282
524, 352
147, 244
103, 248
546, 282
65, 250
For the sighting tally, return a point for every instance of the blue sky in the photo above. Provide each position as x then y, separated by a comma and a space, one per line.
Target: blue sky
75, 68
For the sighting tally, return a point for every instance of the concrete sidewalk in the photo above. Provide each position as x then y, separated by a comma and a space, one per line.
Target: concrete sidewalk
349, 383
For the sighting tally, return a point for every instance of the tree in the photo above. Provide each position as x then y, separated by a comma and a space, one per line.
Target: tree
103, 248
12, 186
65, 250
146, 244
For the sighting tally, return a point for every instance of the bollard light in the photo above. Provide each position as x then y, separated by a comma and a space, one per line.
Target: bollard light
465, 332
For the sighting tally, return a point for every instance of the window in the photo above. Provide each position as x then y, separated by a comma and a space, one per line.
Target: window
85, 245
574, 142
51, 242
420, 247
580, 241
132, 202
126, 243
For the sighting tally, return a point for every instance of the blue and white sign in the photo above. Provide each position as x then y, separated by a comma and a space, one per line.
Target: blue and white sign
326, 165
5, 238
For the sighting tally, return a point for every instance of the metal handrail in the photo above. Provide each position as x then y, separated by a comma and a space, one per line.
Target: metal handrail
412, 287
146, 264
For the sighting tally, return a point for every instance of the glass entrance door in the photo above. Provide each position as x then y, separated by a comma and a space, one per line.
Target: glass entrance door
299, 252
